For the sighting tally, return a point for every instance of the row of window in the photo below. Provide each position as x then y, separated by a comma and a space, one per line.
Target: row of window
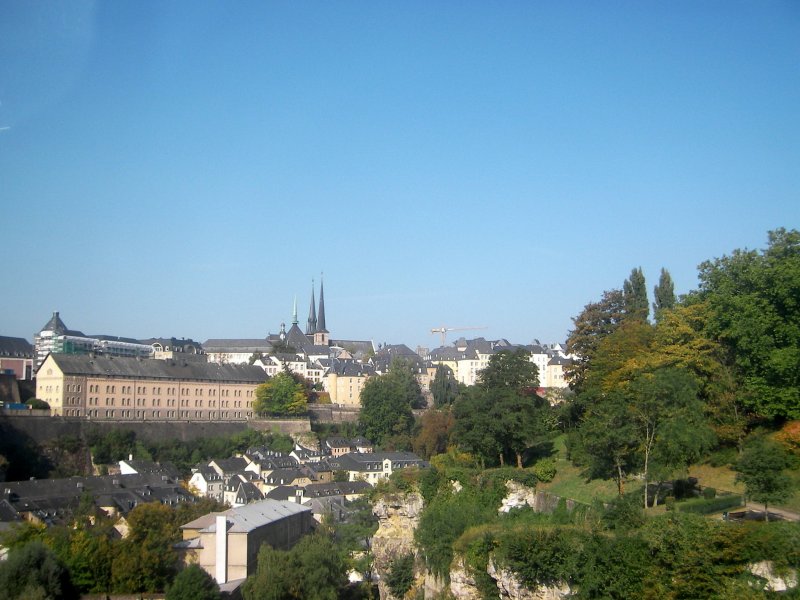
168, 414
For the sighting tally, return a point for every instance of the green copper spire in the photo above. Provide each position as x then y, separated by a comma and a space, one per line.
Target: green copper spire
294, 311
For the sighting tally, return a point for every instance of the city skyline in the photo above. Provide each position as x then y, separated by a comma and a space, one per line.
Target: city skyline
183, 170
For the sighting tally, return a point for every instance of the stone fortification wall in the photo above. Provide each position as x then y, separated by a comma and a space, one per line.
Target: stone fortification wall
330, 413
44, 428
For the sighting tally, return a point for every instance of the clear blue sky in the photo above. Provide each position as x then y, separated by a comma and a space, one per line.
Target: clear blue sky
184, 169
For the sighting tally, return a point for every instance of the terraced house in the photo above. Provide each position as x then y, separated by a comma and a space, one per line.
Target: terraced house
116, 388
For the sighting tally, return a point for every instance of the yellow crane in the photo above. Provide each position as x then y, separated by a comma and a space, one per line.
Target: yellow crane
443, 331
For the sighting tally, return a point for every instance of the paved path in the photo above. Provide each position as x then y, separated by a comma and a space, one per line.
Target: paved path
788, 515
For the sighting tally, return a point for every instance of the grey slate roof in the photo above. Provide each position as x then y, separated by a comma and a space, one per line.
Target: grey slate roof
249, 517
15, 347
107, 366
56, 325
52, 498
237, 345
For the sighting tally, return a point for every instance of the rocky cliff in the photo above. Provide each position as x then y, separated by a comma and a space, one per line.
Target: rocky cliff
398, 517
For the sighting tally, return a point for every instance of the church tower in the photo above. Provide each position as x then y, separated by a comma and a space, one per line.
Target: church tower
311, 326
321, 333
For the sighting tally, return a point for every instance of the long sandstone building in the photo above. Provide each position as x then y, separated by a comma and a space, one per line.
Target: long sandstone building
116, 388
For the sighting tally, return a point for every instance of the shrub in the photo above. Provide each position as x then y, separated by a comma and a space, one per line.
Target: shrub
709, 493
703, 506
723, 457
400, 577
545, 469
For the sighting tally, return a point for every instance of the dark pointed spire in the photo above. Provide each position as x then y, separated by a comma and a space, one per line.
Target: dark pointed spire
311, 327
321, 318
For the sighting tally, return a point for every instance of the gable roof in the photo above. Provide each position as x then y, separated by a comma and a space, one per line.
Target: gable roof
149, 368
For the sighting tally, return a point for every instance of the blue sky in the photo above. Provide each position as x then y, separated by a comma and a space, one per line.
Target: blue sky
185, 169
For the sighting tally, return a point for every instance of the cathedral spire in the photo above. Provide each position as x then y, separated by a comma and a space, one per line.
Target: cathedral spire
311, 327
294, 311
321, 318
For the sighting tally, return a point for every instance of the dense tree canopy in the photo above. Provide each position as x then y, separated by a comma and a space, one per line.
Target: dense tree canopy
314, 569
634, 291
386, 404
755, 314
281, 395
664, 294
762, 469
33, 571
595, 322
444, 386
502, 414
193, 583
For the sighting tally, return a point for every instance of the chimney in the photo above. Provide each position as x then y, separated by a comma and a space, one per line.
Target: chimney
222, 549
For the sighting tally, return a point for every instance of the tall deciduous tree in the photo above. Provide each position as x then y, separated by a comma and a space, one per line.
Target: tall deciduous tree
635, 292
595, 322
386, 403
663, 294
755, 314
503, 413
668, 421
607, 439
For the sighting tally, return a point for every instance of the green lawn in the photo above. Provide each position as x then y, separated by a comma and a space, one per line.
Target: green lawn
569, 483
724, 478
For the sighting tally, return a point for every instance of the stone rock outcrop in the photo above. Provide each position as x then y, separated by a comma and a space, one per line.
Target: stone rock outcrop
398, 517
774, 582
462, 583
520, 495
511, 588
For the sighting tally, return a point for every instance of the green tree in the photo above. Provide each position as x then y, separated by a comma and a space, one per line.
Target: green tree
634, 291
193, 583
668, 421
281, 395
509, 383
754, 313
314, 569
607, 439
400, 577
510, 369
596, 321
664, 294
386, 403
146, 561
34, 571
444, 386
478, 427
434, 433
762, 469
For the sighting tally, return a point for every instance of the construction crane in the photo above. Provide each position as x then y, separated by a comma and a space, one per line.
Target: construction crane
443, 331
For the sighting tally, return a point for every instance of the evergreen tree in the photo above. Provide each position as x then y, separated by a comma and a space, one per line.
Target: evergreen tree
664, 294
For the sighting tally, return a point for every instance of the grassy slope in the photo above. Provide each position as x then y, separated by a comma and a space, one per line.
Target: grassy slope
569, 483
